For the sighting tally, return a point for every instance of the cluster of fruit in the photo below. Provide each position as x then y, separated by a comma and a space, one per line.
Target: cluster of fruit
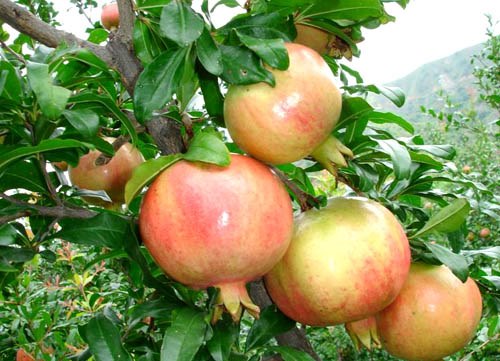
347, 263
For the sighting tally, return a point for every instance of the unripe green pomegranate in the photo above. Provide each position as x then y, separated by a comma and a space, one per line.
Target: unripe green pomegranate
346, 262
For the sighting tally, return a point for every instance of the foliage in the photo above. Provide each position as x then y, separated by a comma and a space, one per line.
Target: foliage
76, 282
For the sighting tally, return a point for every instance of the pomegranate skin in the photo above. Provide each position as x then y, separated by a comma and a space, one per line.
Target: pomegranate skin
110, 16
346, 262
111, 177
435, 315
217, 226
287, 122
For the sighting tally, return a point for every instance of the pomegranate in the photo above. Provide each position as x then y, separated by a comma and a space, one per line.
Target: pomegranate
313, 38
346, 262
110, 17
111, 177
435, 315
217, 226
363, 333
285, 123
22, 355
466, 169
484, 232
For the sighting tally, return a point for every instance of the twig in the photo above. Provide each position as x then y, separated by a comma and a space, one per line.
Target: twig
306, 201
52, 191
11, 51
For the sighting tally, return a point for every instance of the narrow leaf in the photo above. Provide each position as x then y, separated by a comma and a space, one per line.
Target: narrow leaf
180, 23
52, 98
401, 160
225, 334
291, 354
105, 229
270, 324
209, 148
184, 336
448, 219
272, 51
157, 83
104, 340
85, 121
457, 263
145, 173
209, 53
242, 66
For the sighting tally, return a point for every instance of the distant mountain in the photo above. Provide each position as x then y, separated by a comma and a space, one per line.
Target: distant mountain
452, 74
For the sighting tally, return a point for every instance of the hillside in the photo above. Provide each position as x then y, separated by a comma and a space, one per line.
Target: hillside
452, 74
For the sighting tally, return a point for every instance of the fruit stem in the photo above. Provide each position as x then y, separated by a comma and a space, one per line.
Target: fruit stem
233, 298
331, 154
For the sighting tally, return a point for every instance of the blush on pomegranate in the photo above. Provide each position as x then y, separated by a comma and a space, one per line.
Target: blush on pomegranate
346, 262
207, 225
285, 123
434, 315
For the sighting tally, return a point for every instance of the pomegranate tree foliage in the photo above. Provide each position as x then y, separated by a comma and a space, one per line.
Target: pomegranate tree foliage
75, 280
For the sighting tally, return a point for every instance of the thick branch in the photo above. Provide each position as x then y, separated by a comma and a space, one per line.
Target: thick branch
27, 23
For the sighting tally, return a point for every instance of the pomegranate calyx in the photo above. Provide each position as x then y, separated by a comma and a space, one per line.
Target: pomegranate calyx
363, 333
234, 298
332, 154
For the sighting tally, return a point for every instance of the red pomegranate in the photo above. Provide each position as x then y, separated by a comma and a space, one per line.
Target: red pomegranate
434, 315
346, 262
110, 17
22, 355
285, 123
217, 226
111, 177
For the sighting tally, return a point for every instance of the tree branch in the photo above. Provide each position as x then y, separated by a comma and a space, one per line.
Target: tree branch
27, 23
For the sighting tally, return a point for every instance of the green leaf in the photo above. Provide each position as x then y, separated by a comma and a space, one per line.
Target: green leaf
145, 173
184, 336
270, 324
158, 82
16, 254
263, 26
207, 147
180, 23
225, 334
352, 109
214, 101
8, 234
26, 175
103, 338
10, 84
448, 219
104, 230
457, 263
442, 151
85, 121
291, 354
242, 66
110, 105
401, 160
384, 118
272, 51
146, 45
44, 146
52, 98
209, 53
492, 252
345, 10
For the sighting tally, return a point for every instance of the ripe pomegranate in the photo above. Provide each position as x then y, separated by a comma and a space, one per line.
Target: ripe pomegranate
466, 169
485, 232
434, 315
217, 226
346, 262
22, 355
287, 122
363, 333
110, 17
110, 177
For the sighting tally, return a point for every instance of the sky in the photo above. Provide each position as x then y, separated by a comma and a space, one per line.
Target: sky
426, 30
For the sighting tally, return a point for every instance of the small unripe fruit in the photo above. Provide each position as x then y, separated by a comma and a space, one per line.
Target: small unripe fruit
470, 236
110, 17
485, 232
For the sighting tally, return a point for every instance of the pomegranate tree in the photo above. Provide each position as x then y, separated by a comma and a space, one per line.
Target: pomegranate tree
434, 315
287, 122
110, 17
111, 177
207, 225
346, 262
